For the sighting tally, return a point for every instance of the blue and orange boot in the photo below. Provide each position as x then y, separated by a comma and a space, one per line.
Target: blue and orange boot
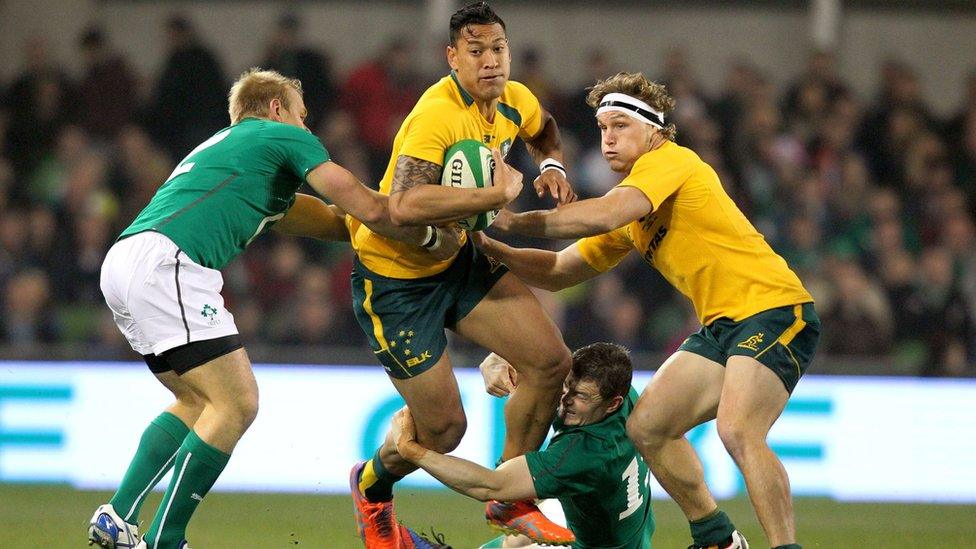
413, 540
376, 522
524, 518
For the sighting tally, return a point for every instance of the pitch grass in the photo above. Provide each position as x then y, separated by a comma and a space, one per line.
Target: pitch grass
57, 516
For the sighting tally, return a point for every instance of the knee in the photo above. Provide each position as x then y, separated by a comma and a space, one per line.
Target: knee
737, 437
241, 410
638, 433
647, 433
551, 369
446, 435
191, 403
248, 409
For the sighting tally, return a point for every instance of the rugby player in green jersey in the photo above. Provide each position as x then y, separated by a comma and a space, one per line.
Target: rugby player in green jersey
590, 465
162, 282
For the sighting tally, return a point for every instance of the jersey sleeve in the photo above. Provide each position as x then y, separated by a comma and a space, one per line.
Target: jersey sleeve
300, 151
659, 174
428, 135
605, 251
528, 107
565, 468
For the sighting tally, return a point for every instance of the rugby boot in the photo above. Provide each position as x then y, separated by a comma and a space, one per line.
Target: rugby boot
107, 530
376, 522
524, 518
413, 540
735, 541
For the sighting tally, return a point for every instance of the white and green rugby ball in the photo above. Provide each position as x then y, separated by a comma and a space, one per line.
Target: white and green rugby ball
469, 165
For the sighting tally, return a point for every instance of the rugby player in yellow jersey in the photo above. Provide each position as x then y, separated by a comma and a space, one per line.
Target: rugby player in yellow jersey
404, 298
759, 328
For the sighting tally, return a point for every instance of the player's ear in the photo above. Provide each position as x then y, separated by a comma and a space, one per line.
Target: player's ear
615, 404
452, 57
274, 109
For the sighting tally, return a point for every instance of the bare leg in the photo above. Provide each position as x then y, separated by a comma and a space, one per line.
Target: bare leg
510, 322
683, 393
435, 403
752, 400
230, 395
188, 405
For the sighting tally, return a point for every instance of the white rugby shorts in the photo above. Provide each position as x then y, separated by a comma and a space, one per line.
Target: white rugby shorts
159, 297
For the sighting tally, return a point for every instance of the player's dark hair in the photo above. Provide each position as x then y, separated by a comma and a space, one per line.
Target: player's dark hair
607, 364
478, 13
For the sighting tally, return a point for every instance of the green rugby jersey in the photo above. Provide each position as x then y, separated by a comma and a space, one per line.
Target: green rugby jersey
601, 481
230, 188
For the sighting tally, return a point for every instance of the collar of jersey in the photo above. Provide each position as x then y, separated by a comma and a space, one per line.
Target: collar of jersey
465, 96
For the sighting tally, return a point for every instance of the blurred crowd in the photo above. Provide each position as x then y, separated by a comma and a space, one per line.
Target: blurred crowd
870, 199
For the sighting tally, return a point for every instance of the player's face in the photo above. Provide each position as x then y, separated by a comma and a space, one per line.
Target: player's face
296, 112
581, 403
481, 59
623, 139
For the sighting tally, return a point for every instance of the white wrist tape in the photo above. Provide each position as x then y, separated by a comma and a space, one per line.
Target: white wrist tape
551, 164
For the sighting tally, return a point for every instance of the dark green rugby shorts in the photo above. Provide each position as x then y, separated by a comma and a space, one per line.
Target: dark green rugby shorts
783, 339
404, 319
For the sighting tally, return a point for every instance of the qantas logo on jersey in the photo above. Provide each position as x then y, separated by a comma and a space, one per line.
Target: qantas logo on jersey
655, 242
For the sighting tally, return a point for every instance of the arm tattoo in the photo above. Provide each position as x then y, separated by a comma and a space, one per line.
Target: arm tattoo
410, 172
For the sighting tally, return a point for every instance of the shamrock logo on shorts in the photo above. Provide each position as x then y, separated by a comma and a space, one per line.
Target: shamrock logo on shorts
208, 311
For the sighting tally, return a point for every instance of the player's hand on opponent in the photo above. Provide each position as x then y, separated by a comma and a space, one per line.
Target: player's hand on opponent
507, 179
555, 182
404, 433
448, 242
500, 376
484, 242
503, 221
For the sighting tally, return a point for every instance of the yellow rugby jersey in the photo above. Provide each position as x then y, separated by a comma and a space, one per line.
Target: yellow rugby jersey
444, 115
698, 239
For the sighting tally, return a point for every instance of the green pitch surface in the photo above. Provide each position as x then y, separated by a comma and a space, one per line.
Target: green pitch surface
57, 517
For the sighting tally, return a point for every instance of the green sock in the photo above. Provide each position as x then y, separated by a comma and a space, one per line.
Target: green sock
375, 482
789, 546
157, 448
712, 529
197, 467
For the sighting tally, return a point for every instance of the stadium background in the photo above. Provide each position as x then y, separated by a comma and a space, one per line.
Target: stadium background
845, 130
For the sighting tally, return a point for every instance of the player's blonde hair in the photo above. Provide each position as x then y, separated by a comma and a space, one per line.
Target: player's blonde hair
255, 89
635, 84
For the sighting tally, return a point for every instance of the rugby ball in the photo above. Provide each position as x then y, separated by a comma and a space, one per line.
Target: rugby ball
469, 165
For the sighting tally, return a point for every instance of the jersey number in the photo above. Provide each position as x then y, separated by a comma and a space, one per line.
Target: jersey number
184, 166
634, 499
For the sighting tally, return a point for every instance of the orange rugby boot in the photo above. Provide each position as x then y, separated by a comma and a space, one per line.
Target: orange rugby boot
376, 522
524, 518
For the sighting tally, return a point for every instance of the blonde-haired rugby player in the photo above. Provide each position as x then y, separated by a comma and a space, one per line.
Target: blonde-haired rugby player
162, 281
759, 327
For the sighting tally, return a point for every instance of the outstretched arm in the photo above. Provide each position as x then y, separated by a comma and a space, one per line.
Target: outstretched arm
311, 217
548, 144
580, 219
544, 269
417, 198
511, 481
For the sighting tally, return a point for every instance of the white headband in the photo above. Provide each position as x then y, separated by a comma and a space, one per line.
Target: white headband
631, 106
